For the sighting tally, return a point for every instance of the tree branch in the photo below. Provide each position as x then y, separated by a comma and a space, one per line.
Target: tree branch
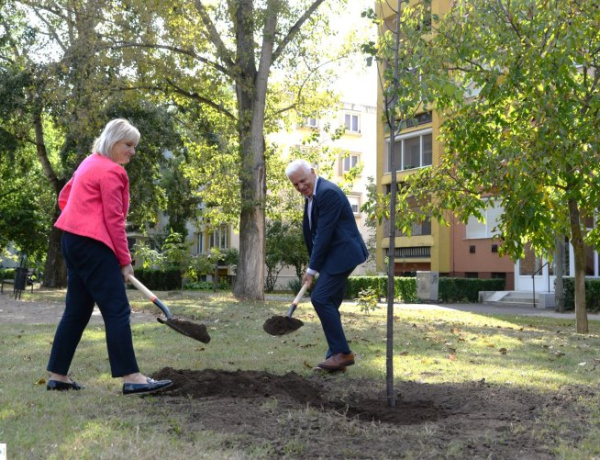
214, 36
295, 29
187, 52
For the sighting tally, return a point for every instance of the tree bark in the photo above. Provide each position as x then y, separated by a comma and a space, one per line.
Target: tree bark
559, 295
55, 272
579, 251
252, 92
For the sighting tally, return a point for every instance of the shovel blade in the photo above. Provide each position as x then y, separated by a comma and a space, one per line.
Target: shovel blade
187, 328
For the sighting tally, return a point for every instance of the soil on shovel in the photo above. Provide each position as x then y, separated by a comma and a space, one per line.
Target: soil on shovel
192, 330
335, 416
280, 325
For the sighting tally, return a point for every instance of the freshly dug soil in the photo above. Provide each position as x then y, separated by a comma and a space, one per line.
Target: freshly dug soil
187, 328
280, 325
477, 419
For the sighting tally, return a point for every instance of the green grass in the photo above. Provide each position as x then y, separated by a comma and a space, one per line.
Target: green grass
542, 354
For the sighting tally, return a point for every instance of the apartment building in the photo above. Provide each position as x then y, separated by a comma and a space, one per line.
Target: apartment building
455, 250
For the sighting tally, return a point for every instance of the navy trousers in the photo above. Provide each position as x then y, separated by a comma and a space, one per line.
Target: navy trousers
93, 276
326, 297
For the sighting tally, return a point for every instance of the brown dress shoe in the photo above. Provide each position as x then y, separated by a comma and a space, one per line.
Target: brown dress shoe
337, 362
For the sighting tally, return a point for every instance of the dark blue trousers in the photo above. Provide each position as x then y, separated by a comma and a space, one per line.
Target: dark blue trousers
326, 297
93, 276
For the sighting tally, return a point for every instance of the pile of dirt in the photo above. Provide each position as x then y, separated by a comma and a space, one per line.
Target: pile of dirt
291, 386
280, 325
479, 419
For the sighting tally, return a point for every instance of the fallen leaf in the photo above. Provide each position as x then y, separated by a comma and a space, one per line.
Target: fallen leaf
452, 357
502, 350
41, 381
403, 353
306, 364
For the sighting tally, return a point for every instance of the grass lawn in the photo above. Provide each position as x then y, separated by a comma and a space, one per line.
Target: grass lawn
538, 379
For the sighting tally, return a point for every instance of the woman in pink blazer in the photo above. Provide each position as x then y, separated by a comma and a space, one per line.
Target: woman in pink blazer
94, 206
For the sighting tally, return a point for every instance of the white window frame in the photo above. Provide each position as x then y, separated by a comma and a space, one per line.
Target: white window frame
200, 242
355, 200
348, 122
477, 230
350, 161
221, 236
311, 122
399, 139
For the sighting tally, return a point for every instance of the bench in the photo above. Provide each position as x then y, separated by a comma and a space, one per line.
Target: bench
23, 277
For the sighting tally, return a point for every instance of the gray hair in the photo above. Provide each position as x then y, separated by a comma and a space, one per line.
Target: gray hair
116, 130
297, 165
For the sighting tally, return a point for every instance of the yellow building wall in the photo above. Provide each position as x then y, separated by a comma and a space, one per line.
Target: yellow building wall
439, 240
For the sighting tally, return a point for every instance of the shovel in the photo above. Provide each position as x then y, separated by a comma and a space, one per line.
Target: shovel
279, 325
187, 328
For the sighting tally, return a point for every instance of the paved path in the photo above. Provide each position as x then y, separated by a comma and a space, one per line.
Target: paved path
494, 310
468, 307
31, 312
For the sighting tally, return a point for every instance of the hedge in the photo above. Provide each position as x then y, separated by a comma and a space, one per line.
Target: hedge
7, 273
466, 289
159, 280
592, 293
405, 288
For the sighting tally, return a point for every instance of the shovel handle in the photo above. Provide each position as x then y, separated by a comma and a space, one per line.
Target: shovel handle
148, 293
296, 301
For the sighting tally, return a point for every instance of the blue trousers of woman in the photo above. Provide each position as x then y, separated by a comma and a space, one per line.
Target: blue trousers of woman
326, 297
93, 277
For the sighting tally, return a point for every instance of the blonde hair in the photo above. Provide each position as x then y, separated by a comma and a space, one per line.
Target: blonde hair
116, 130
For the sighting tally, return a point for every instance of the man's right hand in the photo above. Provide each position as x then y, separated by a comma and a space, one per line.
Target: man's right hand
308, 279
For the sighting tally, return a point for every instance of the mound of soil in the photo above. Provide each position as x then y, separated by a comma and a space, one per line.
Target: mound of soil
291, 386
478, 419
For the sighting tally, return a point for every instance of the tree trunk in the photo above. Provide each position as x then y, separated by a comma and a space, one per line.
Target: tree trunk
55, 271
251, 88
559, 294
579, 251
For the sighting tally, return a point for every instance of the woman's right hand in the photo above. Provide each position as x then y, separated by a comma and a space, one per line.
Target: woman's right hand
126, 270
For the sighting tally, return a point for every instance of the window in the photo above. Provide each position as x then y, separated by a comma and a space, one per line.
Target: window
349, 162
411, 151
487, 228
219, 238
351, 121
311, 122
354, 203
200, 243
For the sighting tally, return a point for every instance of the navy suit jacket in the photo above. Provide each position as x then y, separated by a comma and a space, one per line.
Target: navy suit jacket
334, 243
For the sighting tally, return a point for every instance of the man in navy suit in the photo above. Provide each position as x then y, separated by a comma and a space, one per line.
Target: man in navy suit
335, 247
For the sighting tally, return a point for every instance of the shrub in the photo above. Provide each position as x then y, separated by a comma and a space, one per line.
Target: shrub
159, 280
592, 293
466, 289
367, 300
405, 288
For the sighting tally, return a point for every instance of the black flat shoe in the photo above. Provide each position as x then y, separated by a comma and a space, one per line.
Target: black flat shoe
56, 385
144, 388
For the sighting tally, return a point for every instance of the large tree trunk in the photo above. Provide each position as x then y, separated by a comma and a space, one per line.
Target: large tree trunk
55, 273
252, 93
579, 251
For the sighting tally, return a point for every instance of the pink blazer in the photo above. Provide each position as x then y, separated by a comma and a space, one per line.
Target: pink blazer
95, 202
